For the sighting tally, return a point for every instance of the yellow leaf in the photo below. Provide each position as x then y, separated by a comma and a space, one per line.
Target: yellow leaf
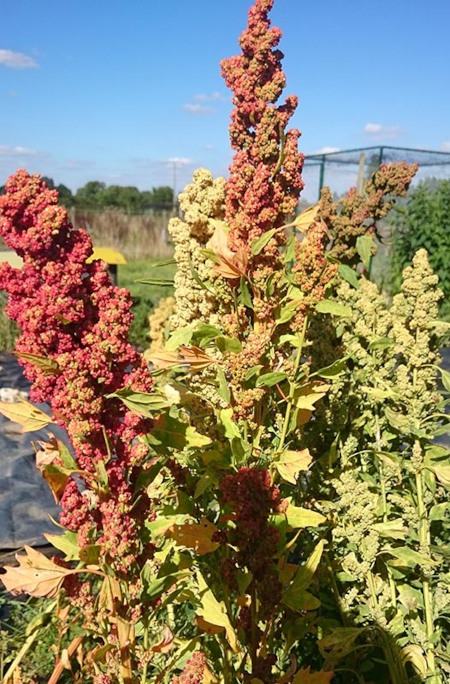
291, 463
305, 676
36, 575
47, 453
215, 612
299, 517
108, 254
207, 626
193, 357
306, 218
195, 536
46, 365
414, 654
307, 396
28, 416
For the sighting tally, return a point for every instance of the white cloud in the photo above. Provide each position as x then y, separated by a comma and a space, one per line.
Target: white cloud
445, 146
212, 97
379, 132
179, 161
326, 150
197, 109
16, 60
8, 151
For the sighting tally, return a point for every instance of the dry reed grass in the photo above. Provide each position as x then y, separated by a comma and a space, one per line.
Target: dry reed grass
137, 236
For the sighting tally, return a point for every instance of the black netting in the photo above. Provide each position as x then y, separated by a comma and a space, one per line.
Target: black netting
344, 169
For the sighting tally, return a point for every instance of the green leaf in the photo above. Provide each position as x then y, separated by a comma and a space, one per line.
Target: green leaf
224, 387
204, 333
295, 595
258, 245
327, 306
381, 343
156, 281
47, 365
166, 262
440, 512
245, 296
254, 370
231, 428
67, 543
445, 376
179, 337
169, 432
153, 587
215, 612
298, 517
393, 529
228, 344
270, 379
291, 463
406, 557
289, 255
141, 403
333, 370
364, 247
348, 274
287, 312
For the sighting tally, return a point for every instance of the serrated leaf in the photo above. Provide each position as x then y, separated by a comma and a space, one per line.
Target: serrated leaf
172, 433
291, 463
67, 543
327, 306
36, 575
303, 221
25, 414
349, 274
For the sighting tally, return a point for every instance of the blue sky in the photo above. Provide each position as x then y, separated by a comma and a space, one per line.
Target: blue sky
112, 91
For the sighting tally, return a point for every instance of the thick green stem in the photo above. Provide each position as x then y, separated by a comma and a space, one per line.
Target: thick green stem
298, 358
424, 538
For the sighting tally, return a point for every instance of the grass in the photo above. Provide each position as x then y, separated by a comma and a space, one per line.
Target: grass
145, 297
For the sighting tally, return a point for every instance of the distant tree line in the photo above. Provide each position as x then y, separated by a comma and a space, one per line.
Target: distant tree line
97, 196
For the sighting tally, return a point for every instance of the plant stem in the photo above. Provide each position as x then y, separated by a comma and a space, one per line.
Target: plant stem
292, 388
424, 538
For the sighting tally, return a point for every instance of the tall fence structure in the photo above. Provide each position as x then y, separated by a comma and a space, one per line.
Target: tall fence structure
347, 168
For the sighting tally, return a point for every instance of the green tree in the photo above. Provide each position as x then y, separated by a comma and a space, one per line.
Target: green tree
424, 221
88, 197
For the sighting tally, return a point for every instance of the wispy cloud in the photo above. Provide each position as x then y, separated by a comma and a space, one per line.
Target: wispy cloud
197, 109
212, 97
326, 150
379, 132
9, 151
17, 60
445, 146
179, 161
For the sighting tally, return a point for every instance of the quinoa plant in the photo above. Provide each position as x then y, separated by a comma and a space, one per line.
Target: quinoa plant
225, 509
